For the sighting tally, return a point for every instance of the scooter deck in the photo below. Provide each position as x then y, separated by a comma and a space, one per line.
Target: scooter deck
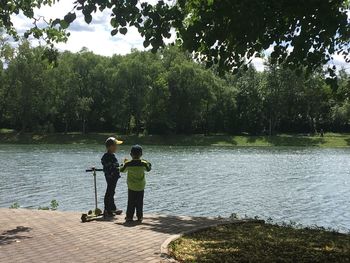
87, 218
100, 217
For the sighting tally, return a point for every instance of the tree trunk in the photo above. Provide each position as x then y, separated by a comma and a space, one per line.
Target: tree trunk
206, 132
128, 127
24, 126
314, 126
138, 125
66, 128
83, 126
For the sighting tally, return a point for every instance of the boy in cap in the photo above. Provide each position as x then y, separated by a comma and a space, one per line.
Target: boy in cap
111, 170
136, 183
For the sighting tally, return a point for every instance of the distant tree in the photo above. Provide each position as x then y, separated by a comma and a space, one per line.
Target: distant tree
341, 113
66, 92
158, 107
84, 65
3, 90
316, 95
249, 101
164, 93
6, 53
280, 87
28, 101
133, 77
191, 99
6, 50
341, 101
343, 90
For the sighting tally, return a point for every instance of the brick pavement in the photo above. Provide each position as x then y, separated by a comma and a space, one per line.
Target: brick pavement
54, 236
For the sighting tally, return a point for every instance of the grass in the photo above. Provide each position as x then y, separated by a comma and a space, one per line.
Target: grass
257, 242
2, 130
329, 140
53, 206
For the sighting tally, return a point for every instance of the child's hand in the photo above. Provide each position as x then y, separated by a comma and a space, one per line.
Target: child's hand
125, 160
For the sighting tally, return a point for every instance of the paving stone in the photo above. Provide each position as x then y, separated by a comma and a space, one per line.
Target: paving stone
55, 236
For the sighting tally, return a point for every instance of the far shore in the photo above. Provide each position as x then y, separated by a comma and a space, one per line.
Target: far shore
330, 140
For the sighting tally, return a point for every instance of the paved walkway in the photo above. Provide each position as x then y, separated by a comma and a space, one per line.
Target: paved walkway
47, 236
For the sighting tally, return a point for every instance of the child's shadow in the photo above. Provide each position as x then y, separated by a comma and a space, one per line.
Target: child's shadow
128, 224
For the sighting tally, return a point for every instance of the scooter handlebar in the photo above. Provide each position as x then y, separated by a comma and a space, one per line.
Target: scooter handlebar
92, 169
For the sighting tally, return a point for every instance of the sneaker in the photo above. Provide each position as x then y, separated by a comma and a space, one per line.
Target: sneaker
117, 212
108, 214
129, 220
139, 220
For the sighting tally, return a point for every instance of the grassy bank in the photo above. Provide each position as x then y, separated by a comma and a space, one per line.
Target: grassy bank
254, 242
329, 140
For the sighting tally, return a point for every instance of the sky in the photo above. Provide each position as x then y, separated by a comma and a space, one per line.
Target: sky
97, 37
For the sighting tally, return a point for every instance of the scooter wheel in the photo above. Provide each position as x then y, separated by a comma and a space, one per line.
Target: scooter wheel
84, 218
98, 212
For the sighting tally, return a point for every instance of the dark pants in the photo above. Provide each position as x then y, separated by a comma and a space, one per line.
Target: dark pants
135, 201
110, 191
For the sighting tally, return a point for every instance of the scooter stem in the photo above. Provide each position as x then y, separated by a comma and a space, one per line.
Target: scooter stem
94, 174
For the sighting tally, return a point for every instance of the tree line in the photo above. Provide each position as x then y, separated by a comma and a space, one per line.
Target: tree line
163, 93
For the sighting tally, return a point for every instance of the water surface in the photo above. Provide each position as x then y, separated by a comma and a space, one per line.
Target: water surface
306, 185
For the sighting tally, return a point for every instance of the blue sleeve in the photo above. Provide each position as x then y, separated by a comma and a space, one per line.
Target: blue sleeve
110, 165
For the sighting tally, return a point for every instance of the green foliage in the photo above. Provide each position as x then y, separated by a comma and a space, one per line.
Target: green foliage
25, 89
15, 206
330, 140
164, 93
53, 206
230, 33
50, 33
226, 33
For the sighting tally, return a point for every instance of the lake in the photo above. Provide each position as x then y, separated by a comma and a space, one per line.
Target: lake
305, 185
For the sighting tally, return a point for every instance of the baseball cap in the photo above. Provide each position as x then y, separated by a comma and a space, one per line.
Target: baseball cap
111, 141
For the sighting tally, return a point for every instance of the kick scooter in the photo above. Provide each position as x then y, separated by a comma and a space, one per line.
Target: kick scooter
97, 213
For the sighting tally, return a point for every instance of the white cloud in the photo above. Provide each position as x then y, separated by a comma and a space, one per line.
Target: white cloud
340, 62
259, 64
96, 36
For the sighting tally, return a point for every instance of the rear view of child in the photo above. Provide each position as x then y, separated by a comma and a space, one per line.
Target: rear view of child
111, 170
136, 183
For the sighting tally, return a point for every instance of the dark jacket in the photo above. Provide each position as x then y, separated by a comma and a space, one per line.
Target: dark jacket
110, 165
